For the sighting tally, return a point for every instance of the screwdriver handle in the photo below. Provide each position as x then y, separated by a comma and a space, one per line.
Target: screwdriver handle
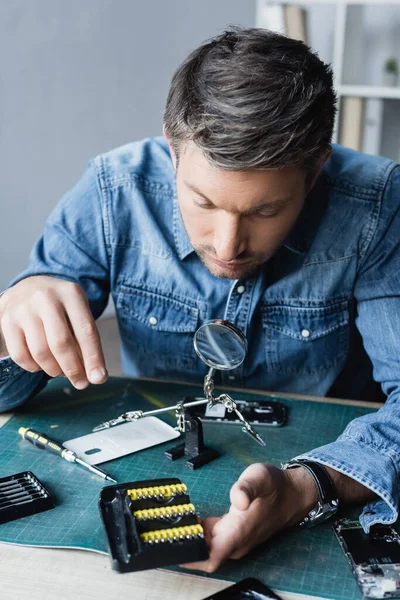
42, 441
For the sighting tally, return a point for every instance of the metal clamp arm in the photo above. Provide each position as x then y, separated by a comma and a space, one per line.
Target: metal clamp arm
231, 406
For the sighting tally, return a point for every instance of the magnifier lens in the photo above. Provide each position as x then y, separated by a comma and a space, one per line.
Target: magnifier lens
220, 345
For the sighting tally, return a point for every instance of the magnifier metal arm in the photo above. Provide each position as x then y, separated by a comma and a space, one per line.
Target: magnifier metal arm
208, 386
231, 406
180, 409
134, 415
107, 424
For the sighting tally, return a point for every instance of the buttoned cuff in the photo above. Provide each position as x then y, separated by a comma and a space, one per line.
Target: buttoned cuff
17, 385
374, 469
6, 366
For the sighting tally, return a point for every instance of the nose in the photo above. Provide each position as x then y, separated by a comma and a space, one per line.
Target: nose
229, 241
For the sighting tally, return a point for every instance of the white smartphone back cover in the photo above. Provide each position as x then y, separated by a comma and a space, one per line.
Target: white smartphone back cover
108, 444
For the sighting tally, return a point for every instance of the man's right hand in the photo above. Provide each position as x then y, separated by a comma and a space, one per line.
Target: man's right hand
46, 324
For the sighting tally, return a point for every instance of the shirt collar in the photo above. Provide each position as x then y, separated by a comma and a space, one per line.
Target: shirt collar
182, 242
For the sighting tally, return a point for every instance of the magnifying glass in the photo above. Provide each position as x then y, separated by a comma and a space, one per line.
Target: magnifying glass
220, 345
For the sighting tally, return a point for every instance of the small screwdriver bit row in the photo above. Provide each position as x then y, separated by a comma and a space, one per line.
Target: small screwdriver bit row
174, 534
160, 491
165, 512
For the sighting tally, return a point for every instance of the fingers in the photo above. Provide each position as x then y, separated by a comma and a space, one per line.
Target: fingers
240, 497
38, 348
253, 483
222, 538
46, 324
87, 337
17, 347
209, 528
63, 347
257, 511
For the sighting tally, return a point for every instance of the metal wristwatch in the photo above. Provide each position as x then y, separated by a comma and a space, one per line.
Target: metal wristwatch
328, 502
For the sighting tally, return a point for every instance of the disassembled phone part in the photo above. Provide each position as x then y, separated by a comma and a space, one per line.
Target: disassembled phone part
103, 446
374, 557
246, 589
270, 413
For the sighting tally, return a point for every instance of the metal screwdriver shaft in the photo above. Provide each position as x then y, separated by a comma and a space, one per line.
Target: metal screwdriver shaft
42, 441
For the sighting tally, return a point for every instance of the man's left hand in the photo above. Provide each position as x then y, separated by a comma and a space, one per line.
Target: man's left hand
264, 500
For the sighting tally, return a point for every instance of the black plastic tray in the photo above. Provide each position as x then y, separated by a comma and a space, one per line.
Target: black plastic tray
128, 551
22, 495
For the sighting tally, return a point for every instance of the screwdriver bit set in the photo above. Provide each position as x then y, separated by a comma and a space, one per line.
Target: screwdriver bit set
22, 495
151, 524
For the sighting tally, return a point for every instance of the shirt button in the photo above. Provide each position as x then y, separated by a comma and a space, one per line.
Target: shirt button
305, 333
241, 289
153, 321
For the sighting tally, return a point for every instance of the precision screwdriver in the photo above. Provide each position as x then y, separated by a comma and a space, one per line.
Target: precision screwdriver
42, 441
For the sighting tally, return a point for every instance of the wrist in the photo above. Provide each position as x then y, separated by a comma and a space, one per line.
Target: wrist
302, 494
349, 490
306, 495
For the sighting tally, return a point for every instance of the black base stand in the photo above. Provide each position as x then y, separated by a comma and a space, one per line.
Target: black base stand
193, 445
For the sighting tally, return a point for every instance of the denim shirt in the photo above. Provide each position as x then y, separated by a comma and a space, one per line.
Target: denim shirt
321, 317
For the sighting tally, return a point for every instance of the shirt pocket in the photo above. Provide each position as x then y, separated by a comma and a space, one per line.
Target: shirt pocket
159, 326
301, 339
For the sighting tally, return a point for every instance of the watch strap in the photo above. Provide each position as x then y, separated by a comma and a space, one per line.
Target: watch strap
328, 498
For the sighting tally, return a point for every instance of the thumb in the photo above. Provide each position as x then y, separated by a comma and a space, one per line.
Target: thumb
254, 482
209, 528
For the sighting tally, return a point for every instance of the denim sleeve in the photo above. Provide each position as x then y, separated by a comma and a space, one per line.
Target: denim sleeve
72, 247
369, 448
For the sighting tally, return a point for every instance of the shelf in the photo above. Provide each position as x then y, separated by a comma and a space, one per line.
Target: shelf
369, 91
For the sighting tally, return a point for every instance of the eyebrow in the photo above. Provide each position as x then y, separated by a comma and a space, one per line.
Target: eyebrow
272, 205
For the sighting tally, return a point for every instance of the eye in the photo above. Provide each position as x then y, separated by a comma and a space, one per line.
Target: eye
265, 215
203, 204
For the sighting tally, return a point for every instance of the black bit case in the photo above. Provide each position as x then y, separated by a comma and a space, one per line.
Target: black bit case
125, 532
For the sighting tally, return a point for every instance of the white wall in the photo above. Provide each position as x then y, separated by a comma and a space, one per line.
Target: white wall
78, 78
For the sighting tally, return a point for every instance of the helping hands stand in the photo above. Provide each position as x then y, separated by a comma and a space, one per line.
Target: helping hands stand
193, 446
221, 346
193, 428
190, 425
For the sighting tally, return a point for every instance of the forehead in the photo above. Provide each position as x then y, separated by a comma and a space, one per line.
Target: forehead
245, 189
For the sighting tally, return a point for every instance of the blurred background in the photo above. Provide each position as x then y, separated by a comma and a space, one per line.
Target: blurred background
80, 77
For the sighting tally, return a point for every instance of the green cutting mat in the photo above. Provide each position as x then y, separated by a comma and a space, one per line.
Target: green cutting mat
308, 562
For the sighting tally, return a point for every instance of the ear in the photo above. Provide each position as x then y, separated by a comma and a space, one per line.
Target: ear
171, 149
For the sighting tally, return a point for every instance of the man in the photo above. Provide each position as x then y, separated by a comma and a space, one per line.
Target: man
248, 215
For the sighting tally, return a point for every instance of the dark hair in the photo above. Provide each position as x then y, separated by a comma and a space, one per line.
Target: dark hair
253, 99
